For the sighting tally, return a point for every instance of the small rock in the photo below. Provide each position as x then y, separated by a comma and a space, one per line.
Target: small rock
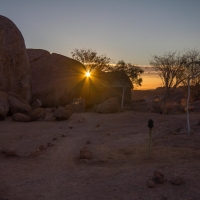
85, 153
55, 138
158, 177
49, 144
42, 147
71, 127
3, 151
35, 153
63, 135
11, 153
150, 184
88, 142
177, 180
97, 125
60, 127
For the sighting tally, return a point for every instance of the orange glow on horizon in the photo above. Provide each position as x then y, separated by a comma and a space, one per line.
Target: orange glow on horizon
150, 82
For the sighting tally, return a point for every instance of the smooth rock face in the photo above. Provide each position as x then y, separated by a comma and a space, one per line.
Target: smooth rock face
53, 79
14, 63
18, 105
109, 106
4, 105
36, 54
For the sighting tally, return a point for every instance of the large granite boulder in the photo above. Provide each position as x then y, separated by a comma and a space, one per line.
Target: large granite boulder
36, 54
14, 63
54, 78
109, 106
4, 105
18, 105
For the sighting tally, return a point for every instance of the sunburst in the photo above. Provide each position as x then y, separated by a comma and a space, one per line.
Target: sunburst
87, 74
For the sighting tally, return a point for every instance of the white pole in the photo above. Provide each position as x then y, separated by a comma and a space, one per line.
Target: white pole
122, 102
188, 99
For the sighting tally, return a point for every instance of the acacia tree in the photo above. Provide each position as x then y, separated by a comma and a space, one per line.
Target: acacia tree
91, 59
132, 71
170, 68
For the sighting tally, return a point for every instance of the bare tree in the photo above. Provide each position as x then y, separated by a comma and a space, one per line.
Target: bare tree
91, 59
191, 60
170, 68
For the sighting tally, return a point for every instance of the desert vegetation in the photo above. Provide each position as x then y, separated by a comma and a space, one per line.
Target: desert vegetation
175, 68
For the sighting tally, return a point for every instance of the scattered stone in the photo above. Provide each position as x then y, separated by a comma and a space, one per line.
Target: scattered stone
177, 180
109, 106
11, 153
38, 114
55, 138
97, 125
19, 117
158, 177
62, 114
85, 153
88, 142
63, 135
150, 184
71, 127
49, 144
35, 153
60, 127
3, 151
42, 147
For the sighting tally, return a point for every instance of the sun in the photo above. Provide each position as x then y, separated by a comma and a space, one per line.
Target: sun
87, 74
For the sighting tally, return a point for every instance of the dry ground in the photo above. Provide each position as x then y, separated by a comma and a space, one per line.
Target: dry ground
120, 166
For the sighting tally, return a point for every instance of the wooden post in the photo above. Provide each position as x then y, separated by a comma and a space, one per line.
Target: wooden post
150, 125
150, 136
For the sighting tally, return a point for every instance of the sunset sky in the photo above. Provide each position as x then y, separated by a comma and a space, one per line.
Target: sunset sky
129, 30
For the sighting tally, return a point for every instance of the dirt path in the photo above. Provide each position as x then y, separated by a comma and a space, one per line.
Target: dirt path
119, 168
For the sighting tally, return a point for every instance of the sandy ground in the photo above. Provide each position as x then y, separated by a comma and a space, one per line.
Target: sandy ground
120, 166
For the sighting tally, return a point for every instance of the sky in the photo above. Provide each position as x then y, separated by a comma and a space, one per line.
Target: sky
129, 30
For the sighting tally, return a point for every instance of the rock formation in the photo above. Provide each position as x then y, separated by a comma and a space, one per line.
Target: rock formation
54, 77
14, 63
